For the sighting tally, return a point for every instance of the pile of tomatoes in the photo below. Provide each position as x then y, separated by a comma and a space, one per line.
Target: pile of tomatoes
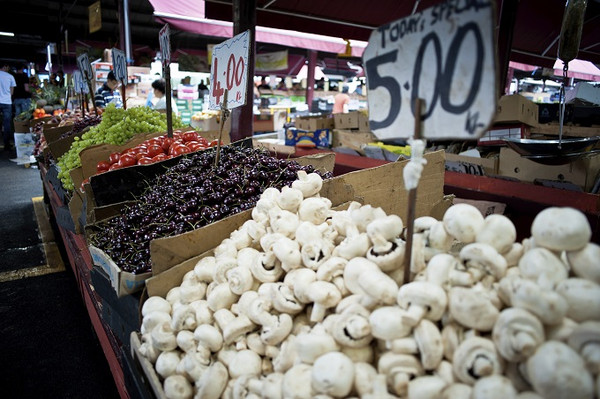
155, 150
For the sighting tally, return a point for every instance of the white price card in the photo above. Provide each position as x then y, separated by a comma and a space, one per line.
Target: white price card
79, 83
83, 62
164, 39
444, 55
119, 64
229, 71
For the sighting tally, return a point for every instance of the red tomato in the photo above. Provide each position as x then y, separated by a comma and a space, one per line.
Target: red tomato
114, 166
214, 143
154, 150
127, 160
190, 136
181, 150
167, 142
154, 140
102, 166
145, 160
114, 158
83, 183
159, 157
202, 140
174, 146
195, 146
141, 154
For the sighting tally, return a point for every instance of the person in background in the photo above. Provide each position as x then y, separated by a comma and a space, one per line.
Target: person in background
159, 86
202, 89
22, 92
341, 101
7, 87
108, 93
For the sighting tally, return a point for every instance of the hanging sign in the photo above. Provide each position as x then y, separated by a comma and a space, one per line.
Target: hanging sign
444, 55
83, 62
229, 71
275, 61
164, 39
95, 17
79, 82
119, 64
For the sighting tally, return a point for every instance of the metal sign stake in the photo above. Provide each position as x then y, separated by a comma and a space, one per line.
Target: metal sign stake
168, 94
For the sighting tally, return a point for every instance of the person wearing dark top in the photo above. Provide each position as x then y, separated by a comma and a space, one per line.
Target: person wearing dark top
22, 93
108, 93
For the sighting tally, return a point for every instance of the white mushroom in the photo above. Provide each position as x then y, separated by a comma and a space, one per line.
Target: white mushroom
288, 253
387, 323
313, 344
283, 222
221, 297
186, 341
167, 362
154, 304
514, 254
290, 199
557, 371
192, 290
364, 376
421, 299
362, 215
153, 319
287, 355
457, 390
362, 276
163, 337
497, 231
494, 387
429, 342
226, 249
584, 262
299, 280
543, 267
399, 370
266, 267
582, 297
485, 258
245, 362
476, 358
324, 295
561, 331
315, 210
585, 339
184, 318
517, 334
472, 308
463, 222
333, 374
209, 338
177, 387
297, 382
561, 229
351, 328
212, 383
283, 298
277, 329
240, 280
237, 328
426, 387
308, 183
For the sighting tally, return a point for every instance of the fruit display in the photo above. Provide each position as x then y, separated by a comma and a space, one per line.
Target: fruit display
189, 195
79, 124
155, 150
303, 301
117, 126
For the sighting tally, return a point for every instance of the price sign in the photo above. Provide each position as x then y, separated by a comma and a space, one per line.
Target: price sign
229, 70
164, 39
119, 64
79, 82
83, 62
444, 55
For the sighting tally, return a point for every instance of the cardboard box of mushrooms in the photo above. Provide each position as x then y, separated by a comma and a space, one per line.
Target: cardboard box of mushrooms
303, 301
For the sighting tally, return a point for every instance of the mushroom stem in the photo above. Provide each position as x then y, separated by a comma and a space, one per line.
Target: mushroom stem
482, 366
525, 343
414, 314
591, 354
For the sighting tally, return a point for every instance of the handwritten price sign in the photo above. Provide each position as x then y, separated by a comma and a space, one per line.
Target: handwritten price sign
444, 55
229, 70
79, 83
164, 39
83, 62
119, 64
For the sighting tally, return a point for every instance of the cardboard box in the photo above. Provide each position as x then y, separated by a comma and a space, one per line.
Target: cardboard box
516, 108
355, 140
21, 126
59, 147
582, 172
354, 120
472, 165
210, 124
485, 207
381, 186
54, 133
123, 283
269, 122
308, 139
312, 123
35, 121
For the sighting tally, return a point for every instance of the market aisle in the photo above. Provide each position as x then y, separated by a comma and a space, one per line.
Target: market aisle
49, 348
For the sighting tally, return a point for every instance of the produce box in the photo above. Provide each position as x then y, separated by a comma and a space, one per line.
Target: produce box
355, 140
472, 165
124, 283
581, 172
381, 186
308, 139
485, 207
54, 133
59, 147
210, 124
77, 212
21, 126
516, 108
312, 123
269, 122
354, 120
35, 121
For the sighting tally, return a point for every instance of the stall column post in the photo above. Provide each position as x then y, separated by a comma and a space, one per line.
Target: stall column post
310, 77
508, 14
244, 18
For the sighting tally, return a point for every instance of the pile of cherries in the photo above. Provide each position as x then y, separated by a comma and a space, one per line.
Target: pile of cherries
82, 123
189, 195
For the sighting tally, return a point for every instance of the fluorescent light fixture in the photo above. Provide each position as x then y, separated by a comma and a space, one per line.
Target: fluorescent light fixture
7, 34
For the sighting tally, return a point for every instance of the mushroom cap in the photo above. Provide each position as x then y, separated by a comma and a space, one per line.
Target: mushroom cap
543, 267
353, 270
463, 222
389, 227
156, 303
333, 374
497, 231
177, 387
245, 362
166, 363
561, 229
476, 358
277, 330
494, 387
387, 323
472, 308
422, 293
297, 382
557, 371
426, 387
517, 334
457, 390
583, 298
313, 344
584, 262
213, 381
484, 256
587, 333
429, 341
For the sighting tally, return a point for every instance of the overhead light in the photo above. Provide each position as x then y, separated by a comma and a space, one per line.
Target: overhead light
7, 34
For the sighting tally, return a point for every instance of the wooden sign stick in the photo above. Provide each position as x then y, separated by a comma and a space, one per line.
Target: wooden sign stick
224, 116
123, 96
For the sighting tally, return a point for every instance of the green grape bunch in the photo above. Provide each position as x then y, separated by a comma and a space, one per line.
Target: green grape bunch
117, 127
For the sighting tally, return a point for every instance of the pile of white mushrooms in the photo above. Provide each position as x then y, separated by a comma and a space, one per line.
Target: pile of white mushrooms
303, 301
